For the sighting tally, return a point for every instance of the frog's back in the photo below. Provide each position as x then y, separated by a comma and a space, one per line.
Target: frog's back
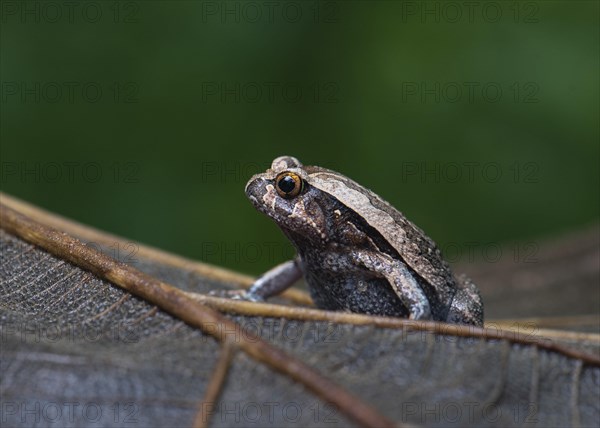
415, 248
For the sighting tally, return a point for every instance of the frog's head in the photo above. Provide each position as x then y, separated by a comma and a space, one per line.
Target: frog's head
284, 193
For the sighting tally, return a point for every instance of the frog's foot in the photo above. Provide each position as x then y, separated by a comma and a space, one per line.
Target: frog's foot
237, 295
466, 307
420, 312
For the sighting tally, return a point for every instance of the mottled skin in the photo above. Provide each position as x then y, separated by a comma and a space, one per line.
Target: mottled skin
356, 252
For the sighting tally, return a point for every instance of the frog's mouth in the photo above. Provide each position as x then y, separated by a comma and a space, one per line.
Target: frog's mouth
254, 202
261, 193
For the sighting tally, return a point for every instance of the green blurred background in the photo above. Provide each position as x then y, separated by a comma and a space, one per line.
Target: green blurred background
478, 120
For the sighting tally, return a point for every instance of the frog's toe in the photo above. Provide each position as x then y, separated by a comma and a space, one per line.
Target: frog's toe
232, 294
247, 296
421, 312
218, 293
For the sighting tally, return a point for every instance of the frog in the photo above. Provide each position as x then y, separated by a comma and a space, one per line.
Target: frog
355, 251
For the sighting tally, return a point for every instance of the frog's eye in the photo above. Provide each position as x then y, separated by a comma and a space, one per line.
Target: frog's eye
288, 185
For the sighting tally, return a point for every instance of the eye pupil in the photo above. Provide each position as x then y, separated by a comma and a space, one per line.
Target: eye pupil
286, 184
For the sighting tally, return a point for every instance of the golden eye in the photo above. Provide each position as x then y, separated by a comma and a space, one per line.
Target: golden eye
288, 185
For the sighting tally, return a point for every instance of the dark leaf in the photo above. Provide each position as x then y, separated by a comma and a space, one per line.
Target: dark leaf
79, 351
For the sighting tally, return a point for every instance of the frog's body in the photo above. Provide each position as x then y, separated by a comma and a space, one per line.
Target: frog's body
356, 251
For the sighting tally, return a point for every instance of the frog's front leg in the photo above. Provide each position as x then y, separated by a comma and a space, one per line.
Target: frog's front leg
401, 280
274, 281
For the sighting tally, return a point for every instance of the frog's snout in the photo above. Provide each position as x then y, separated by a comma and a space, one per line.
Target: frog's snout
251, 185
